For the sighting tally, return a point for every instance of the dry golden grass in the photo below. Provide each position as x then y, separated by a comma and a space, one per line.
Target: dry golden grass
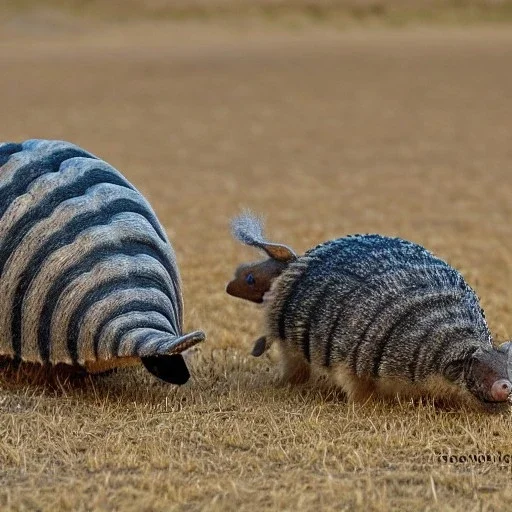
403, 133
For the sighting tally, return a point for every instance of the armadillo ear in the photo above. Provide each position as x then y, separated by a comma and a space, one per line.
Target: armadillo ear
505, 347
279, 252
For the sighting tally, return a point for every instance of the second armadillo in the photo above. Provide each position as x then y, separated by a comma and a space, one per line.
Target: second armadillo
380, 315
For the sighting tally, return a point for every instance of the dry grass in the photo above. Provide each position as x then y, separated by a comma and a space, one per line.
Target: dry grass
404, 133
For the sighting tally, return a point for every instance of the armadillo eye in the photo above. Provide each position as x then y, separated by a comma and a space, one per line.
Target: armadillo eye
250, 280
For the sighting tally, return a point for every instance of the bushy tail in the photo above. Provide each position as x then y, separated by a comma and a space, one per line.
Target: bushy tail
248, 228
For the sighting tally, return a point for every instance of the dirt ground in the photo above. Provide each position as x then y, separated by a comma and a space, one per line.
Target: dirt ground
401, 132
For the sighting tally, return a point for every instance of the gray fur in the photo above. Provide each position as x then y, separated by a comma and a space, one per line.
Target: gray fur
372, 310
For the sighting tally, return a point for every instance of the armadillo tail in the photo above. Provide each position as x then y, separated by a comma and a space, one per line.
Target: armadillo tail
165, 361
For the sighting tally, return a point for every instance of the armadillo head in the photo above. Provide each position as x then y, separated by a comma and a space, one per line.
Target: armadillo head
488, 374
253, 280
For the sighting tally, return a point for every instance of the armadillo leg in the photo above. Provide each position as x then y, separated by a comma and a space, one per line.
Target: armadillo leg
358, 389
294, 368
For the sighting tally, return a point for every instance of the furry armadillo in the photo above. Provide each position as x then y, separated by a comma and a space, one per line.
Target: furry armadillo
380, 315
88, 277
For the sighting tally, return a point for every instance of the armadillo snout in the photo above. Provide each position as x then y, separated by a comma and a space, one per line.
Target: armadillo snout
501, 390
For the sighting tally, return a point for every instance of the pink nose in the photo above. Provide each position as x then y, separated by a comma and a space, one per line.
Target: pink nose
501, 390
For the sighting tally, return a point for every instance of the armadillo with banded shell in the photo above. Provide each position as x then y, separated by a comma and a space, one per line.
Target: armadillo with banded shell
379, 315
88, 277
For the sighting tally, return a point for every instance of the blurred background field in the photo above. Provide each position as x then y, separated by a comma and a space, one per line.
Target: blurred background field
291, 13
327, 117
